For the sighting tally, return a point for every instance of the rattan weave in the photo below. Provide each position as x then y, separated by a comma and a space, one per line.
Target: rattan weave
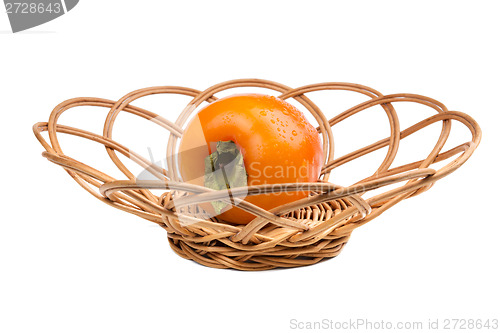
300, 233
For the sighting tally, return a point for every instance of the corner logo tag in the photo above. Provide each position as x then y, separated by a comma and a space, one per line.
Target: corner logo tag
28, 14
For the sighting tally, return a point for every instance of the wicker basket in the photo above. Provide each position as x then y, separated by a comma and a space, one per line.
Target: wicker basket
296, 234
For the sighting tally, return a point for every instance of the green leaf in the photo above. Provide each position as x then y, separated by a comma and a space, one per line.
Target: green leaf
224, 169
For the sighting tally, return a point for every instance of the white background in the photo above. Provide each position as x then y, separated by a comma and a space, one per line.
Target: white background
69, 263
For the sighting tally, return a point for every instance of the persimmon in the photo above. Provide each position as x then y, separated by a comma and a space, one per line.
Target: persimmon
249, 139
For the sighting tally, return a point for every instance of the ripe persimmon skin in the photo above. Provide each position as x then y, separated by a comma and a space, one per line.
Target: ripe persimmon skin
278, 146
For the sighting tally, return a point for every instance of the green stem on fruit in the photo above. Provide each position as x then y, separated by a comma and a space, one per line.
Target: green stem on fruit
225, 169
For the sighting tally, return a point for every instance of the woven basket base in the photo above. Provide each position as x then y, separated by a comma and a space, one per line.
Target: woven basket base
223, 253
258, 262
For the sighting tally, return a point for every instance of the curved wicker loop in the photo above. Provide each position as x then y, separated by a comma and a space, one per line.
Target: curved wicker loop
388, 108
299, 233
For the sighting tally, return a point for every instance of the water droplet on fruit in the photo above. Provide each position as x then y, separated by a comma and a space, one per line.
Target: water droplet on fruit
294, 132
